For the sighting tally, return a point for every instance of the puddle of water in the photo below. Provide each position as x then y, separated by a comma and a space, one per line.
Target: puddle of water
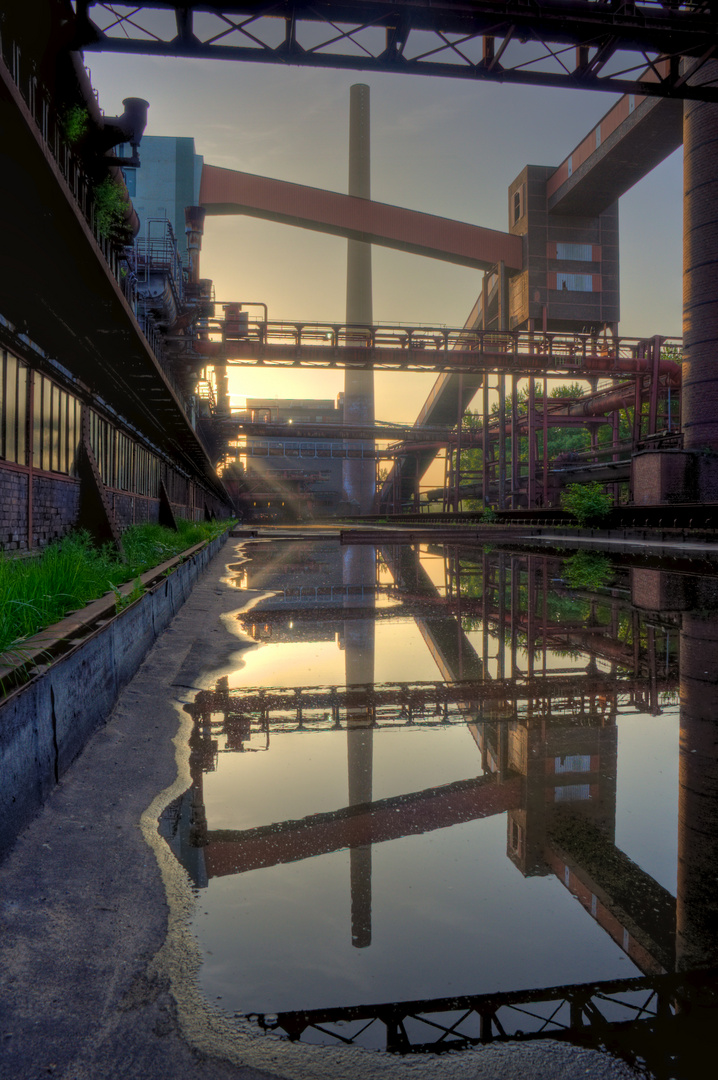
447, 782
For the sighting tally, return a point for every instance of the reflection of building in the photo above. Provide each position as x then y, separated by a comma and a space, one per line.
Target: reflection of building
291, 479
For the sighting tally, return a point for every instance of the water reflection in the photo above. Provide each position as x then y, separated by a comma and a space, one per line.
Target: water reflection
510, 681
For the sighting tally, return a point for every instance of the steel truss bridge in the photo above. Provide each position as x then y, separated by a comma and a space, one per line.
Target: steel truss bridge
590, 1012
434, 349
610, 45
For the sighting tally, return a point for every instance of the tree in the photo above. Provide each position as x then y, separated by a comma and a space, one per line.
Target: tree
588, 503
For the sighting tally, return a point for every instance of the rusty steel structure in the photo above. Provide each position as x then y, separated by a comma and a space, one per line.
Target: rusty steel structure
638, 375
578, 44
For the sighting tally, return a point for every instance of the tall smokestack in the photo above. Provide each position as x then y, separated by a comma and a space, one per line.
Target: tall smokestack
359, 477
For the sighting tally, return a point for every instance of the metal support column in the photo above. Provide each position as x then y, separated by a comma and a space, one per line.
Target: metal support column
485, 435
515, 444
531, 483
544, 456
502, 441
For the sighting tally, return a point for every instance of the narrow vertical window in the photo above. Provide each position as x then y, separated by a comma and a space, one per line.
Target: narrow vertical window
10, 418
23, 374
56, 400
46, 423
37, 422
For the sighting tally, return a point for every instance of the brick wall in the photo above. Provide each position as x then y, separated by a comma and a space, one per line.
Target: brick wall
55, 505
13, 510
56, 502
124, 510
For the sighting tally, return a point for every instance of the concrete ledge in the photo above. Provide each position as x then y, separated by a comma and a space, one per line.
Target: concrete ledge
45, 724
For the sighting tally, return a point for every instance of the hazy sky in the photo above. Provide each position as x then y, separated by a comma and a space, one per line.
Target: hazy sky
438, 145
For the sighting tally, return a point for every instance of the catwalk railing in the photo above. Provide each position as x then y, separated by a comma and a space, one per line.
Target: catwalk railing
336, 345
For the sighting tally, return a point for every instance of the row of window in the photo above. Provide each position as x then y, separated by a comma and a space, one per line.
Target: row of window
121, 462
13, 409
56, 430
56, 433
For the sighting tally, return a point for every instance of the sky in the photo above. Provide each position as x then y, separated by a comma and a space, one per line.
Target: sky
442, 146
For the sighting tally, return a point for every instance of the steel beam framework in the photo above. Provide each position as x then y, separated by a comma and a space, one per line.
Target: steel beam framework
611, 45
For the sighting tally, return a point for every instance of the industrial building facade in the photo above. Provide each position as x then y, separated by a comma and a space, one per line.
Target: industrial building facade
95, 427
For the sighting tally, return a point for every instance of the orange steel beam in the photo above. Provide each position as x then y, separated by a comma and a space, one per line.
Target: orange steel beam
226, 191
231, 852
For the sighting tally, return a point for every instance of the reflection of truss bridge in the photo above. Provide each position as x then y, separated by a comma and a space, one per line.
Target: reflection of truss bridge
588, 1012
579, 698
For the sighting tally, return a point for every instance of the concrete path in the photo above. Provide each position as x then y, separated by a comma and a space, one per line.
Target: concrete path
98, 967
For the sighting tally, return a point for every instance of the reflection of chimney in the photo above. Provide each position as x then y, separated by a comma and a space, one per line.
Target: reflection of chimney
359, 569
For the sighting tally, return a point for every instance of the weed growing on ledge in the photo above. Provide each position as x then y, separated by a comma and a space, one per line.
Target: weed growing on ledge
66, 575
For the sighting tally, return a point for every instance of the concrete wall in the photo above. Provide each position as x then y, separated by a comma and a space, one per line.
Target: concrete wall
44, 726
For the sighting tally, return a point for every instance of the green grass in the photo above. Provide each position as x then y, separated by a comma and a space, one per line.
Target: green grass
38, 591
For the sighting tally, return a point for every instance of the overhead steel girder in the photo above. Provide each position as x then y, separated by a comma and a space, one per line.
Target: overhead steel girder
573, 43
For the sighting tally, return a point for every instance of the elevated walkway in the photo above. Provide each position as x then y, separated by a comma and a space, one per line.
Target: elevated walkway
226, 191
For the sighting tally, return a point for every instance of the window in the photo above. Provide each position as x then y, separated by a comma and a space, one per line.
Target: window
55, 427
569, 763
579, 252
575, 282
631, 103
570, 165
598, 136
517, 205
572, 793
13, 408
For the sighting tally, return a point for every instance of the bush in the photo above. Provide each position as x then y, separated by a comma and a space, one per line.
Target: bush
110, 209
75, 123
588, 503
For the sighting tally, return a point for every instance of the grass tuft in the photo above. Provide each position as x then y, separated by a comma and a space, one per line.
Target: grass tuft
38, 591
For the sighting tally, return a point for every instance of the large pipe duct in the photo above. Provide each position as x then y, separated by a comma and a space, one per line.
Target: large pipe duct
194, 230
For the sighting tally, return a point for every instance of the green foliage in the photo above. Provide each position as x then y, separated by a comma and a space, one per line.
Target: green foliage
38, 591
75, 123
110, 208
587, 502
488, 516
122, 602
587, 570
